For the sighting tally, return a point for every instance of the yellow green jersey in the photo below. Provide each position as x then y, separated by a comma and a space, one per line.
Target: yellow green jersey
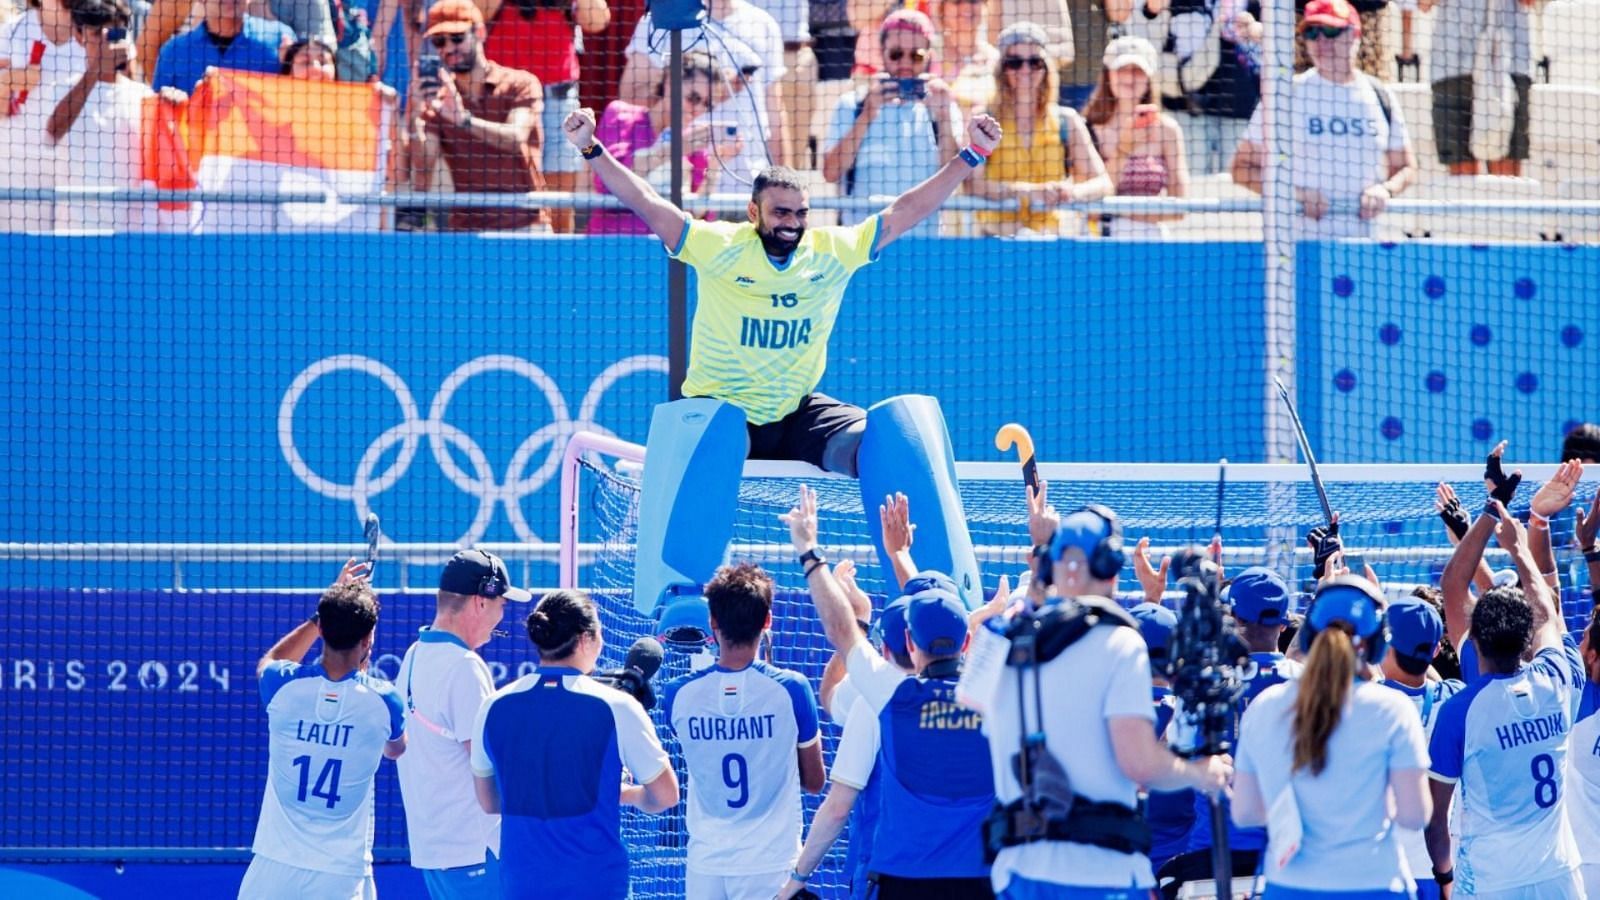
760, 337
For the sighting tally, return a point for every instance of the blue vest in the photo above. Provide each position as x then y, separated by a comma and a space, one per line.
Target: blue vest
936, 785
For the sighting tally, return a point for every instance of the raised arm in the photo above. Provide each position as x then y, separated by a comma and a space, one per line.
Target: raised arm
894, 515
833, 604
298, 642
668, 222
922, 201
1455, 582
1546, 613
1456, 523
1552, 497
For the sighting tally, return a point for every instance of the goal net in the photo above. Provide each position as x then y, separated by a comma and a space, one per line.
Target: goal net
1387, 518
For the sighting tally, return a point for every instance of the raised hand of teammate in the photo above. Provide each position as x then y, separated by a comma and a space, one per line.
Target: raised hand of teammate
1448, 506
1325, 543
860, 603
995, 607
1556, 494
1588, 525
984, 133
802, 520
1151, 579
1508, 531
353, 570
894, 514
1043, 520
579, 128
1500, 486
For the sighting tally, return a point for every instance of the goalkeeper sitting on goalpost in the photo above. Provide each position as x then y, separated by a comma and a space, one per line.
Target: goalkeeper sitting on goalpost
769, 292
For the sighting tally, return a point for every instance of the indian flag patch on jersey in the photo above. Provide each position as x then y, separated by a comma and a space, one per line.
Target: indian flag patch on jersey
328, 703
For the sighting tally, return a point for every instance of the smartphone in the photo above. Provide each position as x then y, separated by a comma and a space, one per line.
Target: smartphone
913, 89
731, 131
116, 35
428, 72
1145, 115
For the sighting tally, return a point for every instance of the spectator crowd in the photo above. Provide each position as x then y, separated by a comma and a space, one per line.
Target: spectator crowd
1104, 99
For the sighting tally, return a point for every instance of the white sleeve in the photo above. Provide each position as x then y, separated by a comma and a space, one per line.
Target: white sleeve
858, 748
640, 749
482, 766
844, 699
469, 685
1255, 131
1128, 693
875, 677
771, 50
640, 42
1399, 137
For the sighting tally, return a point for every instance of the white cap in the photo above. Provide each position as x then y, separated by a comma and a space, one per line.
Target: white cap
1131, 50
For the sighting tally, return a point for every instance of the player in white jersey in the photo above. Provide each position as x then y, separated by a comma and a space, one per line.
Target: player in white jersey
1415, 631
444, 682
1583, 768
750, 743
1500, 746
330, 725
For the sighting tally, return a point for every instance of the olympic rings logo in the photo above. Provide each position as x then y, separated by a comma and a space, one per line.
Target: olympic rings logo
547, 444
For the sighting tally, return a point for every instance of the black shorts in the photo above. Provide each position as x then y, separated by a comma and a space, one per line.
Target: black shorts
1452, 119
804, 433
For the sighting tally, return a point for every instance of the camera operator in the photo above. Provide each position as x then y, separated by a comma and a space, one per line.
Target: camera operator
1260, 604
550, 752
1091, 704
1333, 763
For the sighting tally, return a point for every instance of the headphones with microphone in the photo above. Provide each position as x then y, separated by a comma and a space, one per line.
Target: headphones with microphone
1105, 559
1358, 603
491, 585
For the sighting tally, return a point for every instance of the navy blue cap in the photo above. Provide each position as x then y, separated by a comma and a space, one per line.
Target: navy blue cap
1259, 597
476, 573
1415, 628
1156, 624
938, 622
890, 629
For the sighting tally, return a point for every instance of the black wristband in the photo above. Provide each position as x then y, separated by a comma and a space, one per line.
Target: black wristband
1443, 878
1592, 554
593, 151
1488, 509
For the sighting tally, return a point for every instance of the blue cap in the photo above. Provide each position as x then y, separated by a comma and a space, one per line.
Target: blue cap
931, 580
1414, 628
1156, 624
1259, 597
1082, 529
890, 629
938, 622
685, 620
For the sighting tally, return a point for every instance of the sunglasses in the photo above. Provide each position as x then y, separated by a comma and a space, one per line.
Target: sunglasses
1015, 63
1325, 32
695, 98
440, 40
920, 54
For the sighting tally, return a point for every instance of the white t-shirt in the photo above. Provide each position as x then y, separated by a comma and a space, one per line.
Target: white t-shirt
103, 150
857, 753
843, 702
1583, 787
739, 731
1349, 841
30, 160
327, 738
747, 38
443, 684
1105, 675
1339, 144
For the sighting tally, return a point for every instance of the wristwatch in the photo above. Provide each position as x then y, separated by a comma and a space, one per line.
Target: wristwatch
810, 559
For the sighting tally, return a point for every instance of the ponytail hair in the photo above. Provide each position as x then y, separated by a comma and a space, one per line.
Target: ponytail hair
1325, 684
559, 620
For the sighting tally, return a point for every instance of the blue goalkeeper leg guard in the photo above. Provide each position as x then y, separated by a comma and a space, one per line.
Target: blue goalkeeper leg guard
693, 461
906, 449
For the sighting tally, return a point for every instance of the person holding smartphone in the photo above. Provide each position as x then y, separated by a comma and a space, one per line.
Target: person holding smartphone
98, 125
891, 135
480, 117
1142, 146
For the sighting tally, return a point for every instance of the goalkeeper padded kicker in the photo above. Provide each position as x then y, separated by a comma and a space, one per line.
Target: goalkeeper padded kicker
906, 449
693, 461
